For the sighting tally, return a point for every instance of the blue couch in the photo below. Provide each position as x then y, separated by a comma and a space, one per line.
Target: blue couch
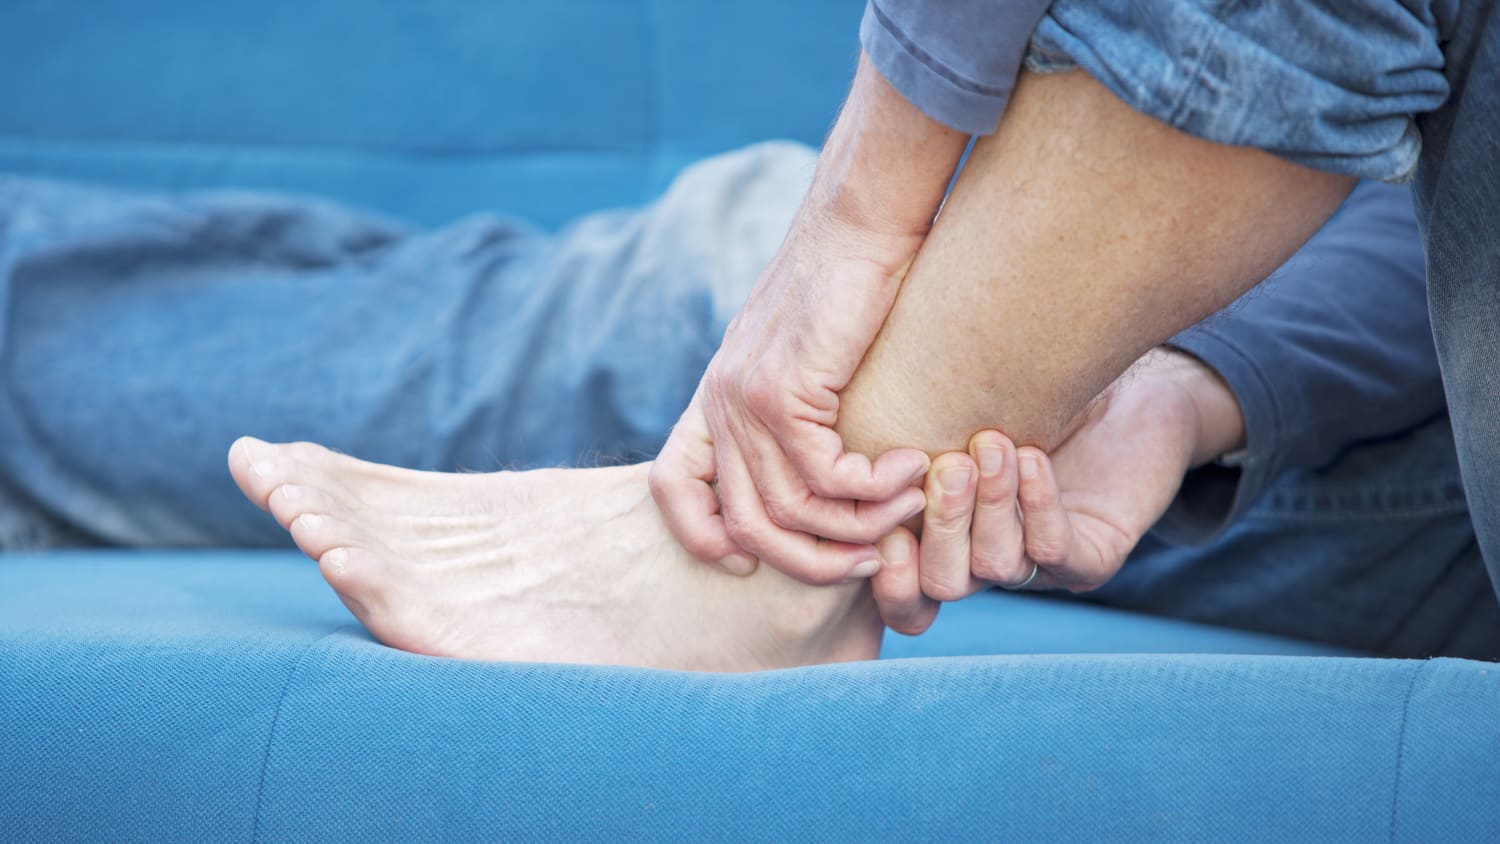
229, 696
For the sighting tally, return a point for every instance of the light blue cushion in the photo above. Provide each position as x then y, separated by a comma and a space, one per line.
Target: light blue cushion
230, 697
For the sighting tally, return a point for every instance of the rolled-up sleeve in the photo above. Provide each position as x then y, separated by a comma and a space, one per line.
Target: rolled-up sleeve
956, 60
1335, 348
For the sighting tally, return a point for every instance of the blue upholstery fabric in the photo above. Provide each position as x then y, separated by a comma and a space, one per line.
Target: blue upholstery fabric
427, 111
230, 697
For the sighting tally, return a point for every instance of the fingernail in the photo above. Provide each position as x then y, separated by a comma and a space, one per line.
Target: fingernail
918, 476
738, 564
955, 479
1029, 466
264, 468
991, 458
897, 553
291, 492
865, 569
310, 520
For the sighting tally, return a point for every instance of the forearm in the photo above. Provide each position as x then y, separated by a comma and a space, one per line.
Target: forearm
885, 167
1077, 238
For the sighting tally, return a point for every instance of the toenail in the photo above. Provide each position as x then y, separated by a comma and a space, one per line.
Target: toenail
310, 520
955, 479
264, 468
336, 559
991, 458
291, 492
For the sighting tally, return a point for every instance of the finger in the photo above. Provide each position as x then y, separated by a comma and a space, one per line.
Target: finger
817, 454
944, 555
798, 555
681, 482
791, 504
898, 586
997, 551
1049, 532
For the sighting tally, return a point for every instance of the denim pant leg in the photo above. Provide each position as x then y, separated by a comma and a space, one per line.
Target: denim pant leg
1458, 208
1374, 552
141, 334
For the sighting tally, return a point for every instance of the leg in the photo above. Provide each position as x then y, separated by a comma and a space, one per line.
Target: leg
481, 344
1457, 187
577, 564
1078, 237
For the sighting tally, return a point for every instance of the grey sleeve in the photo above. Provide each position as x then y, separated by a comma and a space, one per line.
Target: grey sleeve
1334, 348
956, 60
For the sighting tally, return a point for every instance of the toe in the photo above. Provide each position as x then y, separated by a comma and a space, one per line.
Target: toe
318, 533
256, 468
291, 500
355, 574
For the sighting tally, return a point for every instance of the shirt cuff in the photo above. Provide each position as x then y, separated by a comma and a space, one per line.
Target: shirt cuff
1215, 496
940, 92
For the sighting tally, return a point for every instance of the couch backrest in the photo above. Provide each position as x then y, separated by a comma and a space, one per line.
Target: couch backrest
426, 109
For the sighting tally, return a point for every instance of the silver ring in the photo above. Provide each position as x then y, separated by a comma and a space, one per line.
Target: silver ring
1027, 582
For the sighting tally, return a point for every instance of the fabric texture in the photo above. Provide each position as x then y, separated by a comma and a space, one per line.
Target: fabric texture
956, 59
1457, 190
1332, 85
158, 696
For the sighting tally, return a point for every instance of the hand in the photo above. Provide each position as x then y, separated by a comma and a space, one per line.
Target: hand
761, 426
761, 423
1077, 515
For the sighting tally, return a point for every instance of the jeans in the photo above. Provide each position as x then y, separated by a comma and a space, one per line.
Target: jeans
1362, 87
142, 334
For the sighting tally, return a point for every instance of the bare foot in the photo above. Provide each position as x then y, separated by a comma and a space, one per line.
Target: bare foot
557, 565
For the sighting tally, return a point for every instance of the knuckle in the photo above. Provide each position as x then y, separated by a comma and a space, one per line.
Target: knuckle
945, 521
996, 568
763, 393
994, 495
944, 588
1047, 552
1040, 500
744, 532
782, 511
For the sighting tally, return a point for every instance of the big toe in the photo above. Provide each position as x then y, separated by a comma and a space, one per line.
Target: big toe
261, 469
255, 469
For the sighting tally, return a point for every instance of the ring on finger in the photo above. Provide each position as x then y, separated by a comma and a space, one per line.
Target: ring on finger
1027, 582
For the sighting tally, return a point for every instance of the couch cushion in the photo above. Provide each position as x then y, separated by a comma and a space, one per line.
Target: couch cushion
229, 697
423, 110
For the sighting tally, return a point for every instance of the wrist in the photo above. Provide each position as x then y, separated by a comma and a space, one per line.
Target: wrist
886, 165
1219, 424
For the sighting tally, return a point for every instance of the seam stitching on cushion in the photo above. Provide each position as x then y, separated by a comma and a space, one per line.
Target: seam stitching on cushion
1401, 745
265, 762
930, 61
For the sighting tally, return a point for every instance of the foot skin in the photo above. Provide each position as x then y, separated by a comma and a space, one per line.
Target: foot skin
556, 565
